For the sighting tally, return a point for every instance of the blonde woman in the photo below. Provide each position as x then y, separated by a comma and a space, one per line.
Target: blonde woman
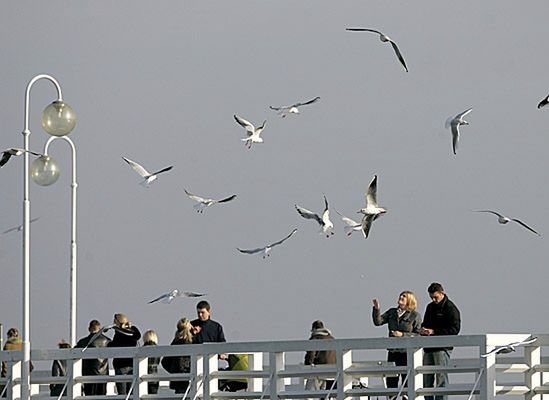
125, 335
402, 320
180, 364
150, 338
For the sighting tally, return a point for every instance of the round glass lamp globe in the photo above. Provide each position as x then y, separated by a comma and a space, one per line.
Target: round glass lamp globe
58, 119
44, 171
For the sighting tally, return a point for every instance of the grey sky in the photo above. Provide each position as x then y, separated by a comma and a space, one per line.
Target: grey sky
160, 82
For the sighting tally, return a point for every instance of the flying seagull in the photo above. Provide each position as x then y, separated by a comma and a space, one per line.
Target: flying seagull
8, 153
544, 102
509, 348
384, 38
372, 211
252, 132
18, 228
266, 250
293, 109
502, 219
326, 225
168, 297
350, 224
203, 203
148, 178
454, 123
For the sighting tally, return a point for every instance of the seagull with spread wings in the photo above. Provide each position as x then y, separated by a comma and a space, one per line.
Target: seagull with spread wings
168, 297
148, 177
20, 227
454, 123
384, 38
294, 108
326, 226
502, 219
511, 347
350, 224
265, 251
203, 203
13, 151
252, 132
372, 211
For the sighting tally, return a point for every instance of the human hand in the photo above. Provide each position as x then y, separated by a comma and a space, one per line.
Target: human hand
426, 331
196, 329
376, 303
223, 356
397, 333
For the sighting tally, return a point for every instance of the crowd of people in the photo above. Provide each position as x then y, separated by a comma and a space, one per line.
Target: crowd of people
441, 317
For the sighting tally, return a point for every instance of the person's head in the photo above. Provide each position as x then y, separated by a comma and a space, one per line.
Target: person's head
121, 321
203, 310
318, 324
407, 300
94, 326
63, 345
184, 330
13, 333
436, 292
150, 338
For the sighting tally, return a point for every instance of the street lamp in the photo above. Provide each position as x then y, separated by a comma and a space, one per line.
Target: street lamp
58, 119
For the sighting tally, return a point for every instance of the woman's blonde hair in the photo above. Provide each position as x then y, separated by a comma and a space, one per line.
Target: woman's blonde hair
411, 301
150, 338
121, 320
184, 330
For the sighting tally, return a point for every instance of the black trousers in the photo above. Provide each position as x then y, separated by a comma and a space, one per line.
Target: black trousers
400, 359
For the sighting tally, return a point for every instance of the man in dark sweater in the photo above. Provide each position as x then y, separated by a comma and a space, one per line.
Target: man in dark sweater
206, 330
441, 318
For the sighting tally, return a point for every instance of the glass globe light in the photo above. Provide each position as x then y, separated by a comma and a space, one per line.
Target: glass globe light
44, 171
58, 119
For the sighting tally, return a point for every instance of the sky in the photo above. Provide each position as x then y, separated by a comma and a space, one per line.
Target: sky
160, 83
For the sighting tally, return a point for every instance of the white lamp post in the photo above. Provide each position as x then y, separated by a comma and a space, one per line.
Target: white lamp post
58, 119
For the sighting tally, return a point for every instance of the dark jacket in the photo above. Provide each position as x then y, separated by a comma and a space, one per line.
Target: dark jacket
124, 338
320, 356
94, 366
177, 365
212, 331
58, 368
443, 318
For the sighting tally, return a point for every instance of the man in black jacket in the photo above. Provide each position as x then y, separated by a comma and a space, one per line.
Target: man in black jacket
441, 318
94, 366
206, 330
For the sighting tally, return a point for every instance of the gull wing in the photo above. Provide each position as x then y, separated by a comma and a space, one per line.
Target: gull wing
163, 170
283, 240
455, 135
518, 221
195, 197
280, 108
371, 194
307, 102
363, 30
245, 124
193, 294
464, 113
544, 102
226, 199
251, 251
367, 224
308, 214
494, 350
20, 227
164, 296
99, 333
490, 211
137, 168
524, 342
6, 155
399, 55
326, 212
347, 220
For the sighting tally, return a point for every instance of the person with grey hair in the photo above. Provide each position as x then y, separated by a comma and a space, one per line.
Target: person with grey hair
319, 357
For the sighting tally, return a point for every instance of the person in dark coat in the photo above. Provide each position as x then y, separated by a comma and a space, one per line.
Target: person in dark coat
150, 338
59, 368
402, 320
318, 357
206, 330
441, 317
94, 366
179, 364
125, 335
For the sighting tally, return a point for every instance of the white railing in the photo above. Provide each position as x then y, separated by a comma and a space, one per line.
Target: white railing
272, 374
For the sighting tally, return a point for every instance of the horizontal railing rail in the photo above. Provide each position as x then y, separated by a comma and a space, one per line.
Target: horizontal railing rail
275, 372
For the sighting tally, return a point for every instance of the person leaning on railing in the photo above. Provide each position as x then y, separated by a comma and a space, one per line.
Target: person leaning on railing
402, 320
441, 317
